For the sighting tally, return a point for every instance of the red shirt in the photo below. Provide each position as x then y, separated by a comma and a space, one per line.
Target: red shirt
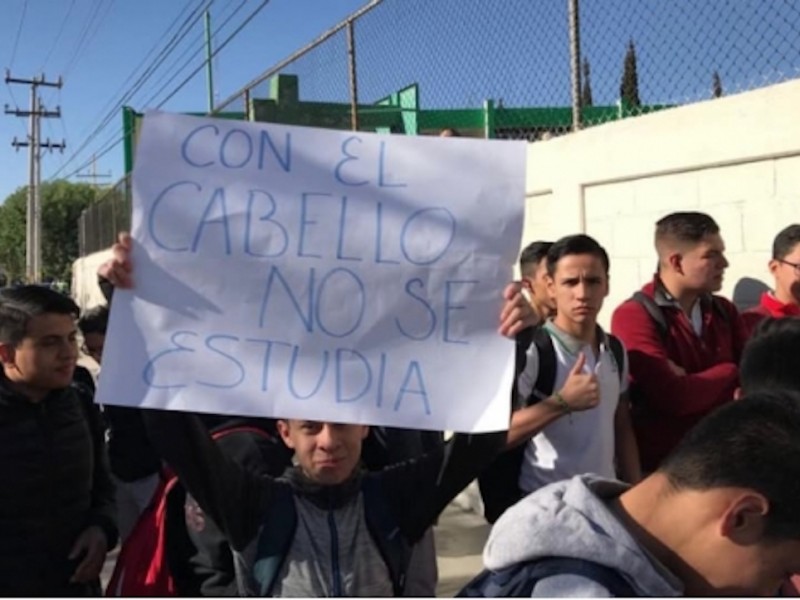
666, 405
769, 306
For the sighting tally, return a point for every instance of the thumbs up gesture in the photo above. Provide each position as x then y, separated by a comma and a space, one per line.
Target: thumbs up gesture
581, 391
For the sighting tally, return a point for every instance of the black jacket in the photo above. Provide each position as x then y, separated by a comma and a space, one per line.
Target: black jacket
56, 484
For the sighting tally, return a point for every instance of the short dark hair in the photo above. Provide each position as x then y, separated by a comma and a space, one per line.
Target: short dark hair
19, 305
689, 227
752, 443
785, 241
575, 244
770, 359
95, 320
533, 254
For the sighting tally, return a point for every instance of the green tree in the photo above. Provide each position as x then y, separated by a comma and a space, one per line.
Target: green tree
716, 85
62, 204
586, 92
629, 88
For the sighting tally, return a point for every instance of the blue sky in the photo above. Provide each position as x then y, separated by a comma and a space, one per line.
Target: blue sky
460, 52
119, 34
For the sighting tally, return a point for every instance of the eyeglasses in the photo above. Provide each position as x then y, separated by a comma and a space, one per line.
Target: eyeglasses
795, 266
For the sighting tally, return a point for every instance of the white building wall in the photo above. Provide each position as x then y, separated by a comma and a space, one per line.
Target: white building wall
736, 158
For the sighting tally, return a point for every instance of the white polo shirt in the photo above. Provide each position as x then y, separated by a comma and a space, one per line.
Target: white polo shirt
581, 442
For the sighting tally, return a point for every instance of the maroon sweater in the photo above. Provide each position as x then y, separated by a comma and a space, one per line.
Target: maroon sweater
667, 405
769, 306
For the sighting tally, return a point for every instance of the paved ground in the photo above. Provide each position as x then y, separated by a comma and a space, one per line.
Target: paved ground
460, 536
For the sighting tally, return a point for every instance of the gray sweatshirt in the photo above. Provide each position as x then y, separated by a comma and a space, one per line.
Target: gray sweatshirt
572, 519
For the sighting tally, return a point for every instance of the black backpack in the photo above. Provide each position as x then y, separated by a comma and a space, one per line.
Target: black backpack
519, 580
498, 483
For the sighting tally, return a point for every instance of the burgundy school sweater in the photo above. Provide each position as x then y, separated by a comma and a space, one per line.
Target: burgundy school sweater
667, 405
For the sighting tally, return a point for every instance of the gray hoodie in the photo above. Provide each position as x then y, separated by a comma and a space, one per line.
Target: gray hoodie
572, 519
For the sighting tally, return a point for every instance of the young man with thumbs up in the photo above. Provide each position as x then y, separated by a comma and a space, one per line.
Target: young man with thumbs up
589, 427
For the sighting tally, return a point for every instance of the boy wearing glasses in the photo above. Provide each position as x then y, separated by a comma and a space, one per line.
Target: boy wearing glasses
785, 268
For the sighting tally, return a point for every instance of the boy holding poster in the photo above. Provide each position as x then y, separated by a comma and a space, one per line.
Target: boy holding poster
324, 528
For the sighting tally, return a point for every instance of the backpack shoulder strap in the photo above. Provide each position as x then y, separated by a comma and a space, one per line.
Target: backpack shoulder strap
654, 310
609, 578
242, 429
718, 306
618, 352
546, 377
277, 533
519, 580
385, 532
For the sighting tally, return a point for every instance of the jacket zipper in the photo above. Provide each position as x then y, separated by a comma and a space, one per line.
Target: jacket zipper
337, 576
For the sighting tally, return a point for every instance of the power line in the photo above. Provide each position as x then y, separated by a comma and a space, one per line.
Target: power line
88, 37
189, 60
141, 64
177, 37
58, 35
216, 51
19, 33
119, 140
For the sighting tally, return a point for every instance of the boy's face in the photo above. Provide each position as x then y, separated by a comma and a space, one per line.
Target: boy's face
328, 453
538, 285
45, 358
703, 265
787, 276
579, 286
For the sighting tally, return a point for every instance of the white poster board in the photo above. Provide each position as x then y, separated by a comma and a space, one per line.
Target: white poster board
306, 273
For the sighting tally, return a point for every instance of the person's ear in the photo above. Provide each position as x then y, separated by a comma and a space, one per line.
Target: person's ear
284, 429
744, 519
773, 265
6, 354
675, 261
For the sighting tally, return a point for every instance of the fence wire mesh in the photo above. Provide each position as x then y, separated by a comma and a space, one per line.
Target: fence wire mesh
521, 69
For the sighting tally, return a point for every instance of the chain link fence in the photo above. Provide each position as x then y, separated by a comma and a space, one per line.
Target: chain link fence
513, 69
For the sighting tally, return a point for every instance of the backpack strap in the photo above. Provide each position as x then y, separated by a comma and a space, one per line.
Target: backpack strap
546, 375
242, 429
518, 581
523, 341
276, 537
609, 578
719, 307
618, 352
392, 544
655, 312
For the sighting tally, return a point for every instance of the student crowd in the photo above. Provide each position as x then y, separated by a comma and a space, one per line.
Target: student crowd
661, 458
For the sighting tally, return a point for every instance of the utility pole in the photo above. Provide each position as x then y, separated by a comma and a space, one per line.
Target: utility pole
94, 175
33, 233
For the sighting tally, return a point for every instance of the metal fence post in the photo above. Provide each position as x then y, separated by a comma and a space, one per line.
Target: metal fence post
351, 59
575, 62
